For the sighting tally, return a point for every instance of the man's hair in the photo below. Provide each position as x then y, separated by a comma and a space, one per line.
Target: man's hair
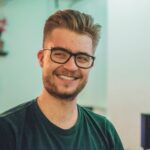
75, 21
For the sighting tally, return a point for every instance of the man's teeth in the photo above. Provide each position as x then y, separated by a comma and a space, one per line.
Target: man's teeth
66, 77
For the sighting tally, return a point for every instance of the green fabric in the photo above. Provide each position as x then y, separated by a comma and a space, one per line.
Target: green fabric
26, 128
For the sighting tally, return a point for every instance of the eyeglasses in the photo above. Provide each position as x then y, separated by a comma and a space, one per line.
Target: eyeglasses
61, 56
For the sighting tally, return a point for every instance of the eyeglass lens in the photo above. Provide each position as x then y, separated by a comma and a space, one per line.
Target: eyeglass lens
61, 55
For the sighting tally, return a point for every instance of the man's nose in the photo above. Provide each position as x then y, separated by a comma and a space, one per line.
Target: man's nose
70, 64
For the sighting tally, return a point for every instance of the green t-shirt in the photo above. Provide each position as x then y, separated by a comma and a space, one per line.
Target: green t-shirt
26, 128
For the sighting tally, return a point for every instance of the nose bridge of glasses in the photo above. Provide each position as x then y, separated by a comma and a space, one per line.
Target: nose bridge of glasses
71, 61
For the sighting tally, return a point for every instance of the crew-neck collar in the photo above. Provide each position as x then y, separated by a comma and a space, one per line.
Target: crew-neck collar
53, 127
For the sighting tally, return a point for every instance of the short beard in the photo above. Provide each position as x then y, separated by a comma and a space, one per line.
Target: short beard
63, 96
52, 89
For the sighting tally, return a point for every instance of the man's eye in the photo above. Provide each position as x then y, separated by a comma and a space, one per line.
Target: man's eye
59, 54
83, 59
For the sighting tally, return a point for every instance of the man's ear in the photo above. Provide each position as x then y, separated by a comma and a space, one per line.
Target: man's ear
40, 56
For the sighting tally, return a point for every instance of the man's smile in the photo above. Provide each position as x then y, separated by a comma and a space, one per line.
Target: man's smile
64, 77
67, 75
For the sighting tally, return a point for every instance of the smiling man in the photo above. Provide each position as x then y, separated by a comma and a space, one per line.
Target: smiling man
54, 120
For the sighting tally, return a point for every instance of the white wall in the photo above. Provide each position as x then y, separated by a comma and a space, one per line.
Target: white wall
128, 67
19, 70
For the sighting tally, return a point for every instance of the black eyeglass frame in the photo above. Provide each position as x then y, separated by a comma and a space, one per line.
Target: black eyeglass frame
71, 54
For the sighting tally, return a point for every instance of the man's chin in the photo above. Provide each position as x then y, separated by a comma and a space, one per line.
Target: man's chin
64, 96
64, 93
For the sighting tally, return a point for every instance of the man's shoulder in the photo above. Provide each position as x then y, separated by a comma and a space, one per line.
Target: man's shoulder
16, 112
12, 124
103, 126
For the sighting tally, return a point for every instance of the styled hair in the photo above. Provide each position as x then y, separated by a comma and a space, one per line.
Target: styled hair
75, 21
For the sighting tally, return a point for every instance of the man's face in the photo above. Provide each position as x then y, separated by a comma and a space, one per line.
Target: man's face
64, 81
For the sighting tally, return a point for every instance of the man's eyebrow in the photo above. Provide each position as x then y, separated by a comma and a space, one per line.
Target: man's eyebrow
61, 48
70, 51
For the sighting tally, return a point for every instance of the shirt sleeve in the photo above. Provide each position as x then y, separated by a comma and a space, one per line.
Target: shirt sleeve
113, 137
7, 140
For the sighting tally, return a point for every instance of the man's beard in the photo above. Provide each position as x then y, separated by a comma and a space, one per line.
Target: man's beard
52, 88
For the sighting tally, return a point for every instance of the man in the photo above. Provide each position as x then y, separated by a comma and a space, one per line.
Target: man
54, 120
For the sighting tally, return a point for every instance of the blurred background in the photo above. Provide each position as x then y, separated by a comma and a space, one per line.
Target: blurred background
119, 84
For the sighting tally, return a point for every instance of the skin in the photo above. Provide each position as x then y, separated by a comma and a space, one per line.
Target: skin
62, 79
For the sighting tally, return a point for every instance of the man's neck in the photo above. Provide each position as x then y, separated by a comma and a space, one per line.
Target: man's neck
62, 113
